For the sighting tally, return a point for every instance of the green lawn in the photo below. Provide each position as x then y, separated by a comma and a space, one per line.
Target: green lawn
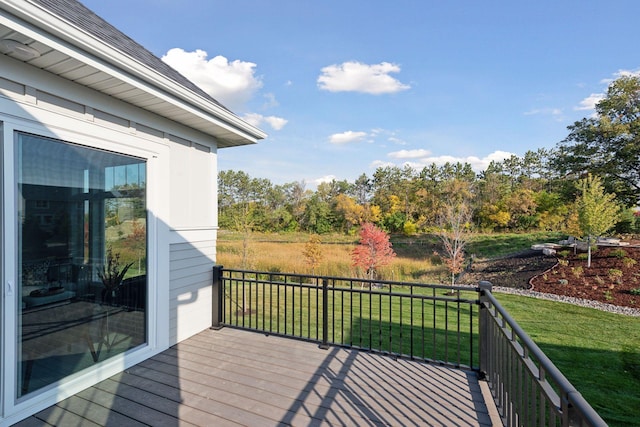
598, 352
398, 324
491, 245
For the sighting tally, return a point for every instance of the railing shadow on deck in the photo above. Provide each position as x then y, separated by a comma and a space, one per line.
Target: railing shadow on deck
363, 386
454, 326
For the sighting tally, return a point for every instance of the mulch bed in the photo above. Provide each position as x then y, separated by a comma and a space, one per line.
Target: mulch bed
613, 277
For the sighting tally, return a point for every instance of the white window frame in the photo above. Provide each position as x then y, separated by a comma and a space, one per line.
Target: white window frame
10, 407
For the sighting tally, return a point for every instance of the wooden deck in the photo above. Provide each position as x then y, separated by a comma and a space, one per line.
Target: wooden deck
231, 377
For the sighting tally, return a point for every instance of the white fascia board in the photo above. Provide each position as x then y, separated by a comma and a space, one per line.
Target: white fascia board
86, 48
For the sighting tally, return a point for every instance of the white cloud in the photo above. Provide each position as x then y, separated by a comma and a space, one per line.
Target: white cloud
257, 120
326, 178
358, 77
410, 154
421, 158
380, 164
347, 137
276, 123
589, 103
232, 83
621, 73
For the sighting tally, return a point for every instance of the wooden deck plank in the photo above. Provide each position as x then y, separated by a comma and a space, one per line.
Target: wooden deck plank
231, 377
368, 384
167, 397
372, 373
404, 396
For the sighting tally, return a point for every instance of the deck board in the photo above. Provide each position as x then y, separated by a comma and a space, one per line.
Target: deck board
232, 378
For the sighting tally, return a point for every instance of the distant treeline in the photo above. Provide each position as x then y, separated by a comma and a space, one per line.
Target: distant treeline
517, 194
534, 192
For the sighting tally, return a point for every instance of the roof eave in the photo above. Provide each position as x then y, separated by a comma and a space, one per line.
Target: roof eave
42, 25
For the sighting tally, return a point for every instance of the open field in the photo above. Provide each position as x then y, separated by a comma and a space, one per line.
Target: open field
416, 261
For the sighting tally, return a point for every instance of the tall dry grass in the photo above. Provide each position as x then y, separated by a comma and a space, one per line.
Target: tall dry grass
284, 253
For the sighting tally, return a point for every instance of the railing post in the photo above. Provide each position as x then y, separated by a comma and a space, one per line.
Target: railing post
325, 314
483, 328
217, 296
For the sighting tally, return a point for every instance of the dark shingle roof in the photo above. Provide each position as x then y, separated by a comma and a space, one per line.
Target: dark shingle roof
83, 18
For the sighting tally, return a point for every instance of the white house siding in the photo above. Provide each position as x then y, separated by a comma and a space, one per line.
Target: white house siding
193, 237
191, 262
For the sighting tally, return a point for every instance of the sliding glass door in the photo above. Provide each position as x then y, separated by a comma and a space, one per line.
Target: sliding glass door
81, 258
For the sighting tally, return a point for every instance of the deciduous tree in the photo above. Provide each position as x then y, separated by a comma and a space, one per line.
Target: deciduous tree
608, 144
313, 252
597, 210
454, 223
374, 251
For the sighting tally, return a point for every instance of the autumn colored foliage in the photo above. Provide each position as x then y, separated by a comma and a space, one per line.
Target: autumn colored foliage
374, 250
312, 252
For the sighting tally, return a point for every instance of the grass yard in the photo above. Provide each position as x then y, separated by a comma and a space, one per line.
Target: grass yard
598, 352
492, 245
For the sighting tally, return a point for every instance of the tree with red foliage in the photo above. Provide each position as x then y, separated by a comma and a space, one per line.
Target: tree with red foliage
374, 250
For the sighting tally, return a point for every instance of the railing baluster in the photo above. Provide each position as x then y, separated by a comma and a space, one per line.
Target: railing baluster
411, 323
380, 318
370, 320
446, 330
458, 343
434, 346
325, 314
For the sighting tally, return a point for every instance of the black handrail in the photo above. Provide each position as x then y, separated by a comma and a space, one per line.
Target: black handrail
556, 401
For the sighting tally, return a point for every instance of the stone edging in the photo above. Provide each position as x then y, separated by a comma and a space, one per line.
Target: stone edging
628, 311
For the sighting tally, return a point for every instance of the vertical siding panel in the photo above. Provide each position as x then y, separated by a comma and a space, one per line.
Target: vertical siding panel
190, 288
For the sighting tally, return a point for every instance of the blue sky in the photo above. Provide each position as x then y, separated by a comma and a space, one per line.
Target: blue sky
343, 87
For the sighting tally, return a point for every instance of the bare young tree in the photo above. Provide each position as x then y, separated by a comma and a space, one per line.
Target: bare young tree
454, 222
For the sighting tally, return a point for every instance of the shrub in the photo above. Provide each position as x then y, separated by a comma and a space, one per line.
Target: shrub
615, 274
618, 253
577, 271
635, 291
583, 256
564, 253
628, 262
563, 262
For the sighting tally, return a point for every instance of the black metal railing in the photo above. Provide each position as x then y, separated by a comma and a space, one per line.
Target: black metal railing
435, 323
456, 326
527, 387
